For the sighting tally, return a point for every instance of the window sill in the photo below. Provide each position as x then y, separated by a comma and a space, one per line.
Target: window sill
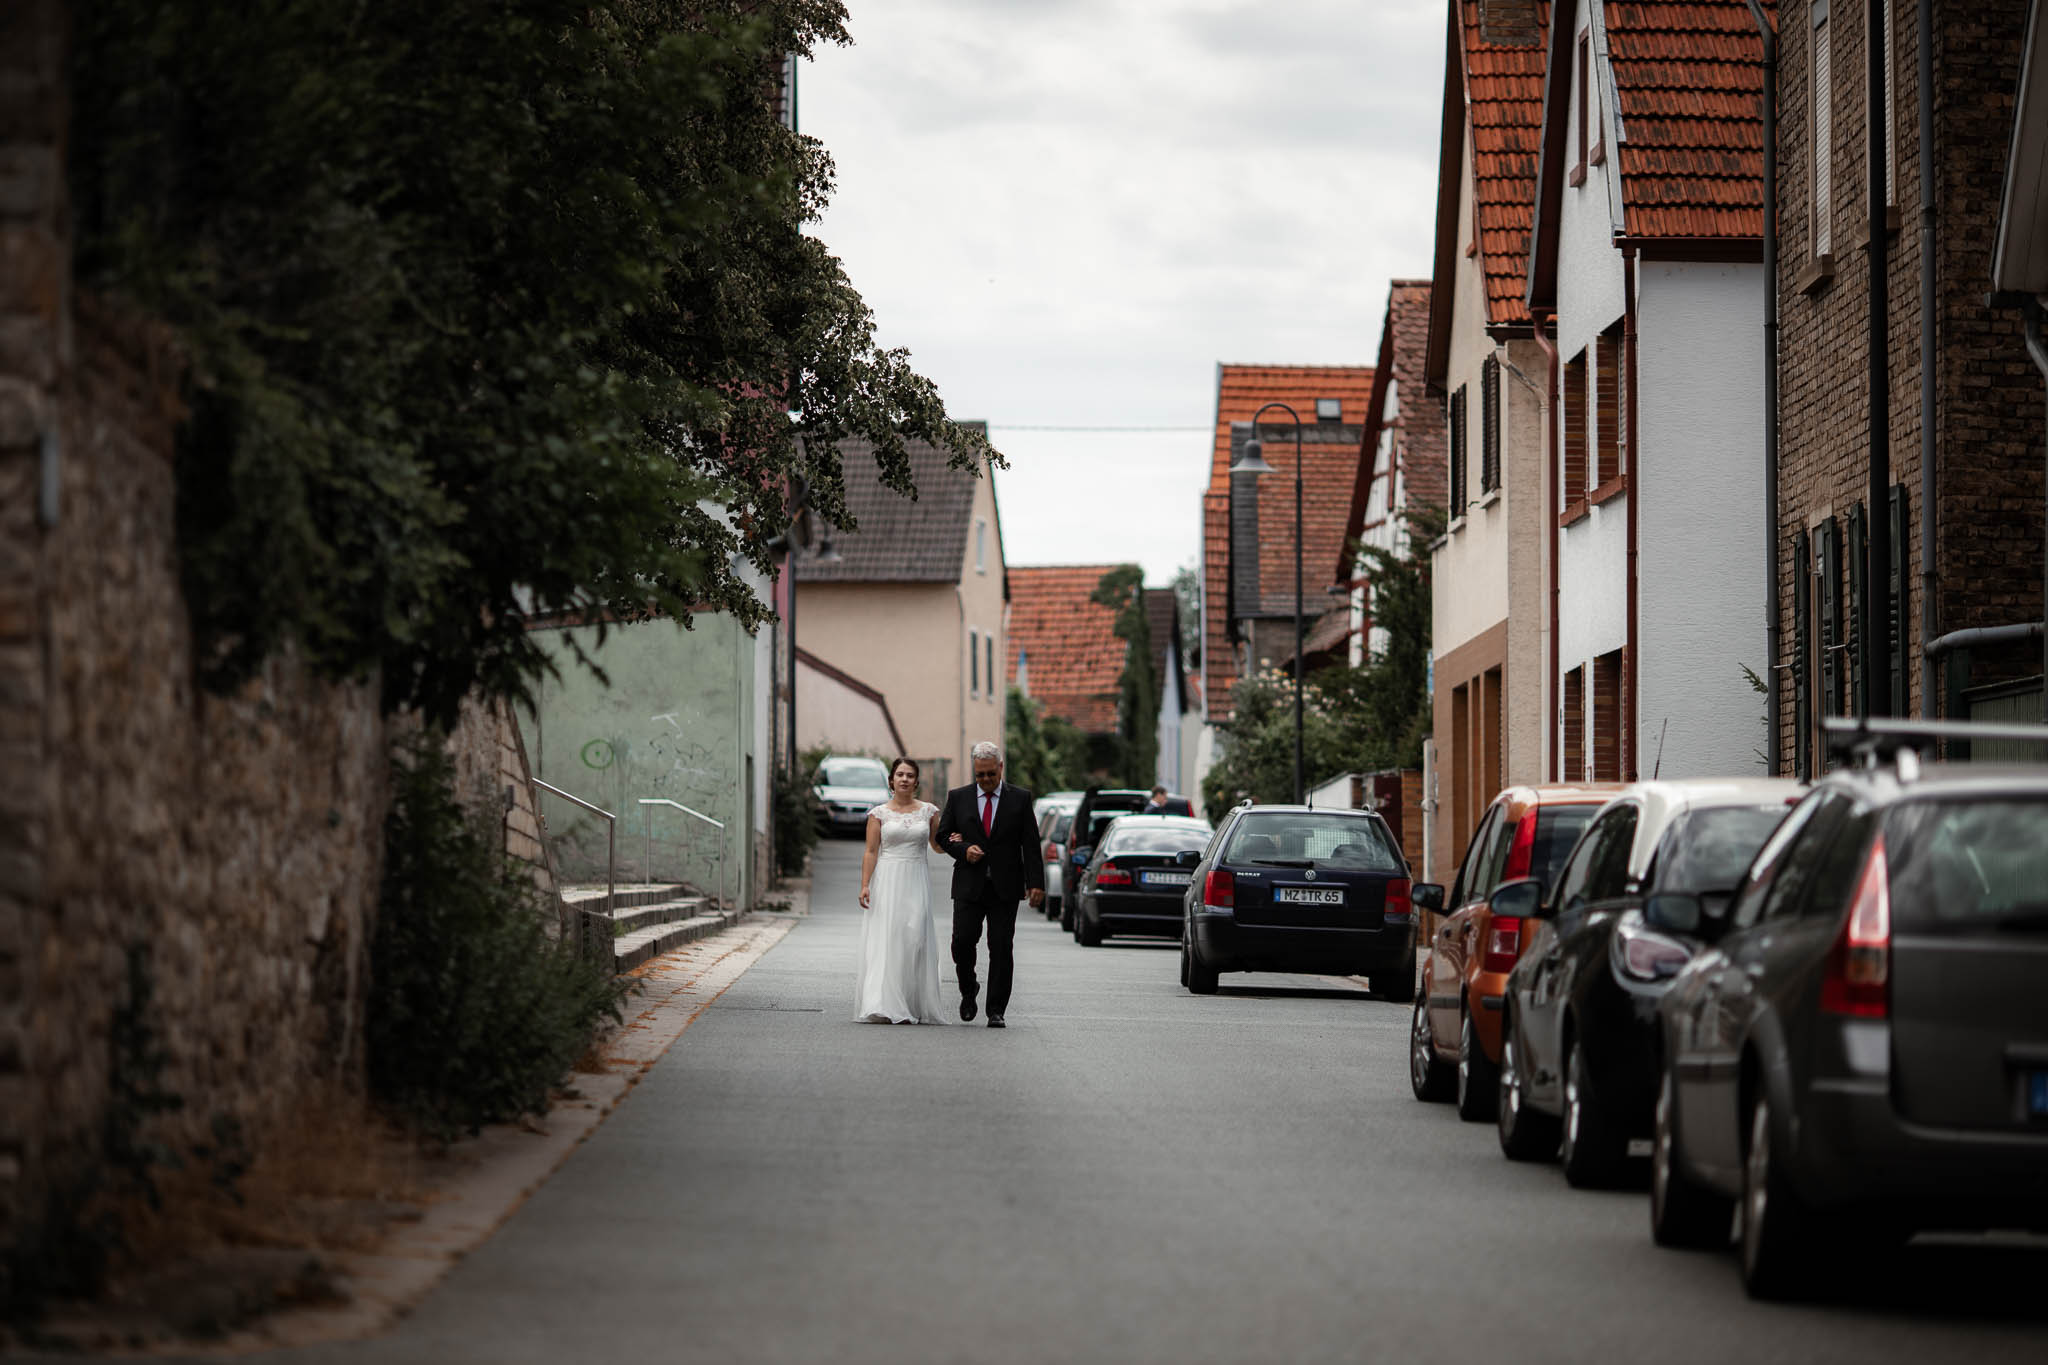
1455, 525
1488, 498
1598, 156
1613, 488
1816, 276
1578, 175
1574, 512
1891, 228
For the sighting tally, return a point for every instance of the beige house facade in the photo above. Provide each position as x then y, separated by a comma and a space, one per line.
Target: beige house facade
913, 603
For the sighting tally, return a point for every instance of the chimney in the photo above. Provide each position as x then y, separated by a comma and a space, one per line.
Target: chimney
1509, 23
1244, 533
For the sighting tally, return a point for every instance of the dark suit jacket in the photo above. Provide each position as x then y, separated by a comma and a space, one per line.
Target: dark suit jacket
1012, 865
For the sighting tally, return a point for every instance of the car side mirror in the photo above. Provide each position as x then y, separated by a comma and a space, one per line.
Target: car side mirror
1674, 912
1187, 857
1427, 896
1521, 898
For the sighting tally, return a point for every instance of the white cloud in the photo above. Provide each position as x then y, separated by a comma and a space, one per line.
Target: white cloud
1070, 210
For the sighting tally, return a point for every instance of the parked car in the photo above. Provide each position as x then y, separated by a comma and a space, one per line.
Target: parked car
1295, 889
1454, 1036
847, 788
1055, 813
1098, 806
1134, 883
1863, 1051
1578, 1060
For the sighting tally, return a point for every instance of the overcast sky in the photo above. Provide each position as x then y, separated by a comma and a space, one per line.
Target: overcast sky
1069, 211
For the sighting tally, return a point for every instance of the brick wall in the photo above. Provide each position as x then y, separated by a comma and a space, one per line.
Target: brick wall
1988, 395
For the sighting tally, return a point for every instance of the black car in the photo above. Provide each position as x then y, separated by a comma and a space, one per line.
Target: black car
1134, 883
1579, 1021
1863, 1052
1098, 807
1295, 889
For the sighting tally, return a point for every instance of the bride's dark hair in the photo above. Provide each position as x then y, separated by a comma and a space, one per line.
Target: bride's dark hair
910, 763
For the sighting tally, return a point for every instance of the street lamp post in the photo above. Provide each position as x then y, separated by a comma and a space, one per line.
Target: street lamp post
1252, 460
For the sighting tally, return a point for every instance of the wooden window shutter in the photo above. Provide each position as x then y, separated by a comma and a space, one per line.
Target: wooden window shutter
1859, 593
1489, 424
1574, 725
1823, 133
1585, 74
1802, 655
1606, 462
1575, 485
1901, 543
1458, 474
1830, 574
1891, 118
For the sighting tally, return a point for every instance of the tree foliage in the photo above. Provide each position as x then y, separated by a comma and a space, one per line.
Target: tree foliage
1122, 590
492, 308
1382, 708
1044, 753
1256, 761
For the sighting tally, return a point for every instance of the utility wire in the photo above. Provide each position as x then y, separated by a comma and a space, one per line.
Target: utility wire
1026, 426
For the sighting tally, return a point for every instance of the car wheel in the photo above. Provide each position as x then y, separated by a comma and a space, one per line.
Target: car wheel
1201, 976
1067, 913
1397, 986
1183, 955
1429, 1076
1778, 1231
1593, 1147
1525, 1134
1478, 1077
1683, 1212
1087, 932
1052, 907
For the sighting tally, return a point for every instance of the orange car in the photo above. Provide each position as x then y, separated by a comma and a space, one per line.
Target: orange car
1454, 1042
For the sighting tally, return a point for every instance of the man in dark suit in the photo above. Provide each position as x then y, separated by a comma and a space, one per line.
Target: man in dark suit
989, 832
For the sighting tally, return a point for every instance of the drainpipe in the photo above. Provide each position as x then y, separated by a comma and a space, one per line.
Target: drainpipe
1773, 626
2038, 349
1631, 673
1928, 619
1551, 512
1877, 549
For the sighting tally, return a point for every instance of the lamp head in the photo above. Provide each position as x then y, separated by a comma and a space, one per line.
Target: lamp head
1251, 459
827, 552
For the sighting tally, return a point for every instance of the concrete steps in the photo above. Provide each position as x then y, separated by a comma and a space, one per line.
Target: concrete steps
646, 920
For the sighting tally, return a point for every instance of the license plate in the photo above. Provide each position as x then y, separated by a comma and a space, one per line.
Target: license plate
1309, 895
1166, 878
2037, 1094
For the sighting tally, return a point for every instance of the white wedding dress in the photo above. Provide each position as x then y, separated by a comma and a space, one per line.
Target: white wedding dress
896, 978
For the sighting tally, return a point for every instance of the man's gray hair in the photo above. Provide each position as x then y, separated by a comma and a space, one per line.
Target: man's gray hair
987, 748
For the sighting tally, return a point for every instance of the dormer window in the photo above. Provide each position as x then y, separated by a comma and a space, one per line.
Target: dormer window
1329, 409
981, 547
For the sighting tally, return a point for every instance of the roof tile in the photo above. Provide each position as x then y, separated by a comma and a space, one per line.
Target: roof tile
1504, 94
899, 540
1074, 658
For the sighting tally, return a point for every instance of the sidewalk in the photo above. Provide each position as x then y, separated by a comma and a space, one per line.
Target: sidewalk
485, 1179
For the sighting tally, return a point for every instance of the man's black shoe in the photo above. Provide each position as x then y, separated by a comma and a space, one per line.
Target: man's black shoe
967, 1008
995, 1021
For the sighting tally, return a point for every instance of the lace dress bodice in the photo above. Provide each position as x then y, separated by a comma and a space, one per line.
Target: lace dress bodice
905, 834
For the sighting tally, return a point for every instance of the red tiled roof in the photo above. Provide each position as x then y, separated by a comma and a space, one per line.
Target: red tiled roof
1504, 91
1240, 391
1074, 657
1690, 79
1419, 437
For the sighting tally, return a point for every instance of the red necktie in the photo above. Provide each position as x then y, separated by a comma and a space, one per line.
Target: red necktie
988, 814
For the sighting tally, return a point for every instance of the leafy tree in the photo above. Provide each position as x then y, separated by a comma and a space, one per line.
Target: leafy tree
1122, 590
1187, 594
1382, 709
1257, 757
491, 308
1044, 753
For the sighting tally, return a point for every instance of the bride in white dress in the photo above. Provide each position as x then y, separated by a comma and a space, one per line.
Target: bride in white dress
896, 978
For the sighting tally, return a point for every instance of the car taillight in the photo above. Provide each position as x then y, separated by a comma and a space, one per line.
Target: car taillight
1859, 965
1524, 846
1219, 889
1397, 905
1109, 874
1503, 944
1052, 851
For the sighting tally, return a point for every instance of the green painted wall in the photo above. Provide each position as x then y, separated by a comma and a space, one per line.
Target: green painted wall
675, 721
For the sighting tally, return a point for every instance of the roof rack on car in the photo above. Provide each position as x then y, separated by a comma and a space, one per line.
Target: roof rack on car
1870, 741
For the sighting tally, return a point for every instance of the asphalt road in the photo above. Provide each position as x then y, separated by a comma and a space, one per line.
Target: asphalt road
1127, 1173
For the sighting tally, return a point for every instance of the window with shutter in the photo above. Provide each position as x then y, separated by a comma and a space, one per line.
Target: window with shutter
1891, 119
1823, 133
1575, 480
1829, 571
973, 662
1573, 722
1458, 475
1489, 425
1802, 656
1859, 591
1606, 461
1901, 543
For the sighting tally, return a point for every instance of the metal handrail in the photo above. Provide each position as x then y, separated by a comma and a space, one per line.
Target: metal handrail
611, 828
718, 825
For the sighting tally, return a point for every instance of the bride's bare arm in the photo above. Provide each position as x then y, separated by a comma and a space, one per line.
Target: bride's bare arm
867, 858
933, 825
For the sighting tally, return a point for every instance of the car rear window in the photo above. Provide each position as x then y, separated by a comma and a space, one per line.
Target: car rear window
1341, 841
853, 772
1972, 863
1557, 829
1061, 823
1156, 839
1709, 850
